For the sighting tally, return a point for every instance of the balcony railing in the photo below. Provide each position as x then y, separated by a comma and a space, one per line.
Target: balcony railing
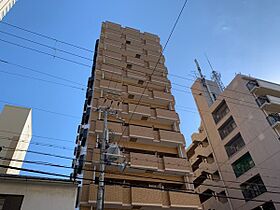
119, 197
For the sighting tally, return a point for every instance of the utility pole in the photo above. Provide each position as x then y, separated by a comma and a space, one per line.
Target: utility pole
104, 142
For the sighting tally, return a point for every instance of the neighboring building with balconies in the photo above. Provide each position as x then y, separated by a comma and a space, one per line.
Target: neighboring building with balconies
5, 6
236, 152
129, 76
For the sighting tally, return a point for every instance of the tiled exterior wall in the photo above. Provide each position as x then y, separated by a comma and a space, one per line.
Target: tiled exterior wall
126, 76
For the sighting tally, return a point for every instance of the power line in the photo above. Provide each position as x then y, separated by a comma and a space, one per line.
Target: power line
45, 53
42, 80
40, 72
136, 185
37, 136
36, 143
45, 36
169, 37
128, 175
43, 110
45, 45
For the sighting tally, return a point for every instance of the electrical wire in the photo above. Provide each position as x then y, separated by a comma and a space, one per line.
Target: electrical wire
45, 45
4, 61
45, 53
45, 36
134, 185
42, 80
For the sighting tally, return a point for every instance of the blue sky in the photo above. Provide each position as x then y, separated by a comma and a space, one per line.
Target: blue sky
238, 36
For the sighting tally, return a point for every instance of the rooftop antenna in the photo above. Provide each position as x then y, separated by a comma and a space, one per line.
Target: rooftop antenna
202, 77
216, 76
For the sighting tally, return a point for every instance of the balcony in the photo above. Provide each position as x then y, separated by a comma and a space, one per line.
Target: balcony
138, 160
139, 112
204, 151
171, 138
209, 167
160, 81
167, 116
119, 197
269, 103
113, 55
136, 61
116, 128
137, 133
113, 194
197, 137
274, 120
111, 85
176, 165
146, 197
111, 69
184, 200
260, 87
137, 92
162, 98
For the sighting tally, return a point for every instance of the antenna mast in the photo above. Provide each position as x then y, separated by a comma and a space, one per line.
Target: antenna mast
216, 76
204, 81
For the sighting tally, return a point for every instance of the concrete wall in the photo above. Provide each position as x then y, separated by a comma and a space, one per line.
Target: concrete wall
5, 6
15, 135
41, 195
261, 141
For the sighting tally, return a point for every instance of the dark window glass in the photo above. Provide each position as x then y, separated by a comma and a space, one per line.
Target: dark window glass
227, 128
11, 202
243, 164
266, 206
220, 112
251, 84
253, 188
234, 145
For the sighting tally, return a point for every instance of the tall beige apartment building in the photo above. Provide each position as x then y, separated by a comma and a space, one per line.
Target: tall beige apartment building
236, 152
15, 136
5, 6
146, 128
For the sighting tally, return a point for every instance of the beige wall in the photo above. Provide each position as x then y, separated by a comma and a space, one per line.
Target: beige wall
15, 133
261, 141
41, 194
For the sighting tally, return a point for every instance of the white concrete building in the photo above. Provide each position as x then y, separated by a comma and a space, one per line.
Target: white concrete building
5, 6
34, 193
15, 136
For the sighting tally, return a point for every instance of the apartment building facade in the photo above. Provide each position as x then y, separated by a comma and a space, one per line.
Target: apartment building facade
15, 136
130, 77
235, 154
5, 6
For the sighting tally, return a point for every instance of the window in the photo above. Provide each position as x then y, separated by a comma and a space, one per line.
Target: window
243, 164
11, 202
234, 145
251, 84
137, 56
266, 206
227, 128
129, 66
220, 112
261, 100
128, 42
253, 188
130, 96
140, 82
273, 118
